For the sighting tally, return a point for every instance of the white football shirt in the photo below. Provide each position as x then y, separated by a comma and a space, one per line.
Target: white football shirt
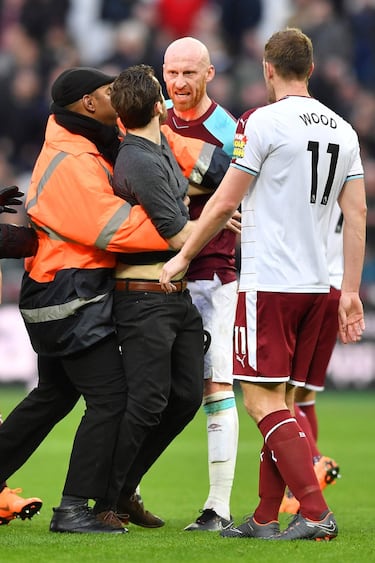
301, 153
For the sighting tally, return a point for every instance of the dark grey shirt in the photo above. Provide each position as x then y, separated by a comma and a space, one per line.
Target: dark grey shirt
148, 174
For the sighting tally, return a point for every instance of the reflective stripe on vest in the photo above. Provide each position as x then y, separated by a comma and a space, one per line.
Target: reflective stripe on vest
202, 163
109, 175
57, 312
115, 222
46, 176
113, 226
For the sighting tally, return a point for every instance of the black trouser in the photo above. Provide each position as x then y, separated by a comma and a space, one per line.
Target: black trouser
161, 338
95, 373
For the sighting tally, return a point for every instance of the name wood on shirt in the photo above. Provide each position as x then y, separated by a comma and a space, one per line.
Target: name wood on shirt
315, 119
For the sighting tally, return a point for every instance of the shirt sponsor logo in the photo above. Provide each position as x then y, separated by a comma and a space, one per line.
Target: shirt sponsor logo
240, 141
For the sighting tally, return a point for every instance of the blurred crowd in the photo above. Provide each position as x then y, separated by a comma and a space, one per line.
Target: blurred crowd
40, 38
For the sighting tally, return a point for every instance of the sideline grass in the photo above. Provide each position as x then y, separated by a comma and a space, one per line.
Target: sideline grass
177, 486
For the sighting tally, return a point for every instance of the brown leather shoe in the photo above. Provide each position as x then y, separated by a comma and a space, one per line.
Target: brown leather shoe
132, 510
109, 517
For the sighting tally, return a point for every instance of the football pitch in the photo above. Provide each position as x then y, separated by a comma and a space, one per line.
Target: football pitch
176, 488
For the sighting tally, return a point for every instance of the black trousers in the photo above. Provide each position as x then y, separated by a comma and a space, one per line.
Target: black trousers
95, 373
161, 339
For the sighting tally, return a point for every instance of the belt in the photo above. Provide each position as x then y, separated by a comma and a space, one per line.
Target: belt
145, 285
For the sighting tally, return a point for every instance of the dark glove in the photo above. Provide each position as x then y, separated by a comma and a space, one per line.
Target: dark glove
8, 197
17, 242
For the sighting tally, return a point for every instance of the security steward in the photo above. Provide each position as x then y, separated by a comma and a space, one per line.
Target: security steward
66, 295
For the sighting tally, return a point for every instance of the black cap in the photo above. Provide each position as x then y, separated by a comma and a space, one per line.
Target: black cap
72, 84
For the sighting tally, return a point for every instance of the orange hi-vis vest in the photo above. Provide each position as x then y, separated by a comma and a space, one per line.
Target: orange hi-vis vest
79, 220
202, 163
66, 294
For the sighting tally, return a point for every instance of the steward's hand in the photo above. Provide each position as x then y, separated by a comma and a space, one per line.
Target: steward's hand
17, 242
8, 196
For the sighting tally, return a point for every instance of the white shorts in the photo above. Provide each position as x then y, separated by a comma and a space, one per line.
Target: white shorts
217, 305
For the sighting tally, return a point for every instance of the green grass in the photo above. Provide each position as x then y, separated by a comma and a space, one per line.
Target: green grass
177, 487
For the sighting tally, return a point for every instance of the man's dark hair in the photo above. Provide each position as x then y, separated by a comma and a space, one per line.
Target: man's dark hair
134, 95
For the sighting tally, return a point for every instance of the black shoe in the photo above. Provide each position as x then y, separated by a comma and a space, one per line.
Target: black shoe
209, 521
301, 528
81, 520
252, 529
132, 510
